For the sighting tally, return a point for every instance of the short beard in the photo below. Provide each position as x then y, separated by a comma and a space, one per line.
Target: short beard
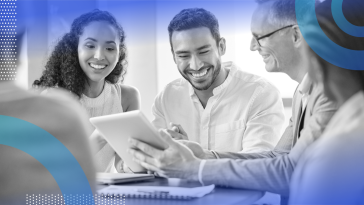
214, 76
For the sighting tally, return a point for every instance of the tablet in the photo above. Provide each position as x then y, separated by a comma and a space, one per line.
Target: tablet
118, 178
117, 128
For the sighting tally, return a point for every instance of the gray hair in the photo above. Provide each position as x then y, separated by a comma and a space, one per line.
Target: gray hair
283, 12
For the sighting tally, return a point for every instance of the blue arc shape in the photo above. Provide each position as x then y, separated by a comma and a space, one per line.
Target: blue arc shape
323, 45
49, 151
342, 22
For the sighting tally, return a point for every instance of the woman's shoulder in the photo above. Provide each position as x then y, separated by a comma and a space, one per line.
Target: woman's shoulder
130, 97
128, 91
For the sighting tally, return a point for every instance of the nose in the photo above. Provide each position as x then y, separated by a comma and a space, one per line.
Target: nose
99, 54
195, 63
254, 45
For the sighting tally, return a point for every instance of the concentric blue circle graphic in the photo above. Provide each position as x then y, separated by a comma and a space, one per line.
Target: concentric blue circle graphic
331, 52
41, 145
345, 25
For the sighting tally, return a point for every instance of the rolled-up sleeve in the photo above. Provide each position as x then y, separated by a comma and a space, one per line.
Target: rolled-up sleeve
159, 120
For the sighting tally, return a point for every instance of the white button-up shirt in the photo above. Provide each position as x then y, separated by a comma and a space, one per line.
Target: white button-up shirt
245, 113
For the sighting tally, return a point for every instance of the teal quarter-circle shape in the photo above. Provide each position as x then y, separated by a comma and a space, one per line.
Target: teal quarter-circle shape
342, 22
49, 151
332, 53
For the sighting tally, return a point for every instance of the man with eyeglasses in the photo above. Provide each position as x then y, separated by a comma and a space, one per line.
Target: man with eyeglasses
278, 40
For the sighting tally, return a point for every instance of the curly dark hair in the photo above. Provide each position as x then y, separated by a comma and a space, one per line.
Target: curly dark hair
63, 69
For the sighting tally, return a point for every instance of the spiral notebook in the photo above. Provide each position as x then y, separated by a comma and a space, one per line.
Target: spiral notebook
157, 192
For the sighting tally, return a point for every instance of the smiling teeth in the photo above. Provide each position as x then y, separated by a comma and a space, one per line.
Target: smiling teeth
97, 66
198, 75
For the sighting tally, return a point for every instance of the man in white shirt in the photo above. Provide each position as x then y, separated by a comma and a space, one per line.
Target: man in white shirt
278, 39
219, 106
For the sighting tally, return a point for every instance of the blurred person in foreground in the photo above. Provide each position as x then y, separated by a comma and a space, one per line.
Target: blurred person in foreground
57, 114
331, 170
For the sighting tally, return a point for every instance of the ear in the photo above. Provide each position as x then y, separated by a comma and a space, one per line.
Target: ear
297, 37
222, 46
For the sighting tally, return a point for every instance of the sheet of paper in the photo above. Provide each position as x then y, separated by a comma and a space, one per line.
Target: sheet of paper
194, 192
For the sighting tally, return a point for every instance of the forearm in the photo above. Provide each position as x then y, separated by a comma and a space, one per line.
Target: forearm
187, 170
236, 155
271, 175
209, 154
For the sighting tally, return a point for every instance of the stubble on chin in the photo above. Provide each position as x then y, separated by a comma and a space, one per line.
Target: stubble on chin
216, 71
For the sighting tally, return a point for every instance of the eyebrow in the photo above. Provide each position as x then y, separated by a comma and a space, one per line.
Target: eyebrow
92, 39
181, 52
200, 48
204, 47
108, 42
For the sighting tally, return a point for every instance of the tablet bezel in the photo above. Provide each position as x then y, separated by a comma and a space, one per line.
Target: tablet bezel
118, 128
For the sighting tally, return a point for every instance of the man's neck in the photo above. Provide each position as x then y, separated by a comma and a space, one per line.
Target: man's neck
298, 73
204, 95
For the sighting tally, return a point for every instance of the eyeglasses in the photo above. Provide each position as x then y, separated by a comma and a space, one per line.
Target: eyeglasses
269, 34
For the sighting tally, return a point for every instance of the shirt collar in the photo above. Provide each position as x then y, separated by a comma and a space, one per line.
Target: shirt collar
305, 85
231, 67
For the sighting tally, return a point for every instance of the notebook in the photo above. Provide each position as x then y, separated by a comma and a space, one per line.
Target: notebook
157, 192
117, 178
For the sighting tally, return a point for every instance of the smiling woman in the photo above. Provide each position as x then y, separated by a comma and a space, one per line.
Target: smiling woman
87, 37
89, 61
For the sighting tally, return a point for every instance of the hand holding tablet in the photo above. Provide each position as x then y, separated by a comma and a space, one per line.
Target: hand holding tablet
118, 128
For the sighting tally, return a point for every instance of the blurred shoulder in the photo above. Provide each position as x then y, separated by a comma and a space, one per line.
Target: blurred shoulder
130, 97
128, 91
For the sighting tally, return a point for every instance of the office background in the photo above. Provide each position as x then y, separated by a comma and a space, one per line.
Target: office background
150, 62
